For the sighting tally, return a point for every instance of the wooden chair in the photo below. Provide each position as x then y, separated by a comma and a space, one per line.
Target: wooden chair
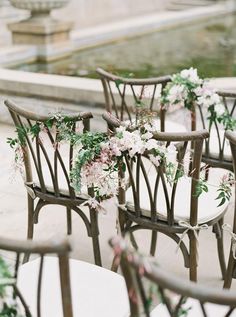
21, 278
152, 203
47, 174
178, 297
128, 99
54, 285
231, 268
216, 151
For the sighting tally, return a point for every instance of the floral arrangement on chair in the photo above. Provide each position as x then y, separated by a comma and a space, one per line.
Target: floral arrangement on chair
99, 155
187, 89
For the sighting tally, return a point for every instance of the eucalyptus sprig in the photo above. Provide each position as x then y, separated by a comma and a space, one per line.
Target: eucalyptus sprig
201, 187
89, 144
225, 188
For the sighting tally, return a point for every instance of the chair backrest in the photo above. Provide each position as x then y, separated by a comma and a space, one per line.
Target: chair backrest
47, 163
19, 248
150, 180
231, 138
216, 151
178, 297
130, 98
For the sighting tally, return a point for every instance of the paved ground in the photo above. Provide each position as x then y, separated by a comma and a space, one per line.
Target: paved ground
52, 225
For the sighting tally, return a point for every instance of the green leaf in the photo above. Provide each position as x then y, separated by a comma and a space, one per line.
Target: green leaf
222, 202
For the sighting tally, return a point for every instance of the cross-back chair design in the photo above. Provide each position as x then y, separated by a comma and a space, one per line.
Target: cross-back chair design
18, 282
152, 203
177, 297
128, 99
231, 268
47, 173
217, 151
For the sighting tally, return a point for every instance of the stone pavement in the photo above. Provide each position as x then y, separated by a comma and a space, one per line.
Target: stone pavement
52, 225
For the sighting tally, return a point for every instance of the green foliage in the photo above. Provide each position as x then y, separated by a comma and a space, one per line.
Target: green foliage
225, 119
91, 147
9, 306
9, 310
224, 190
201, 187
4, 274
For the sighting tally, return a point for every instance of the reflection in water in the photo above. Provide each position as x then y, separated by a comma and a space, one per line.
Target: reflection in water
209, 46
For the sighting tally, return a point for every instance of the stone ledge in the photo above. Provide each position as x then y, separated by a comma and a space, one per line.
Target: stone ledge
52, 86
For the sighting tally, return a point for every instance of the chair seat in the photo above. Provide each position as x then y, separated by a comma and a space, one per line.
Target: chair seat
95, 290
214, 145
63, 190
207, 203
212, 310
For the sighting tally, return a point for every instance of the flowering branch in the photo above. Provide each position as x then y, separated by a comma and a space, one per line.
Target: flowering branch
187, 89
98, 156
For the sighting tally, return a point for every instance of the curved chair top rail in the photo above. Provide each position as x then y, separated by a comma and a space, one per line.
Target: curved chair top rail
40, 247
226, 93
181, 136
133, 81
37, 117
231, 136
168, 280
163, 136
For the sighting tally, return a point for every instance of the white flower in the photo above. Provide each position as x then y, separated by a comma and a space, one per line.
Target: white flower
208, 98
171, 153
122, 128
155, 160
198, 91
151, 144
147, 135
219, 109
191, 74
176, 93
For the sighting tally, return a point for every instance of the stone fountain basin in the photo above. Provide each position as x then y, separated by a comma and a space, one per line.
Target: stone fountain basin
39, 5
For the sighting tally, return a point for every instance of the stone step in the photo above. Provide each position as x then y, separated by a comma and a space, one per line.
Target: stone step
178, 5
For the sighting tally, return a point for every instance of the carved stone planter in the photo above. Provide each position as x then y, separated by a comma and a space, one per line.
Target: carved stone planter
39, 8
49, 35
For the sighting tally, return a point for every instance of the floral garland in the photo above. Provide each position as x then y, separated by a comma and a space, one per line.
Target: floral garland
98, 156
97, 160
187, 89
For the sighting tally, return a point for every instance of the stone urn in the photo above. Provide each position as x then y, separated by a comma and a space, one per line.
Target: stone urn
50, 36
40, 9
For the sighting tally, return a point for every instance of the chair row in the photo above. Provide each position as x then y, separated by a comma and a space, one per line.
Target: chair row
48, 168
58, 286
128, 98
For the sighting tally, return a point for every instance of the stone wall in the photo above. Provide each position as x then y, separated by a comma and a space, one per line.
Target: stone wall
86, 13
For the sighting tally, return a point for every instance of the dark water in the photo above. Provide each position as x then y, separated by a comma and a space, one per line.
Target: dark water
209, 46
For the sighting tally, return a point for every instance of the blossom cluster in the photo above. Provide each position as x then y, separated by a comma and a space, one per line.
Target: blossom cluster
187, 88
101, 170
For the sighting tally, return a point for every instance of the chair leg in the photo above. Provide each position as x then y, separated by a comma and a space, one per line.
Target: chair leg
153, 243
192, 257
69, 223
220, 246
96, 250
30, 225
95, 237
115, 263
229, 271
